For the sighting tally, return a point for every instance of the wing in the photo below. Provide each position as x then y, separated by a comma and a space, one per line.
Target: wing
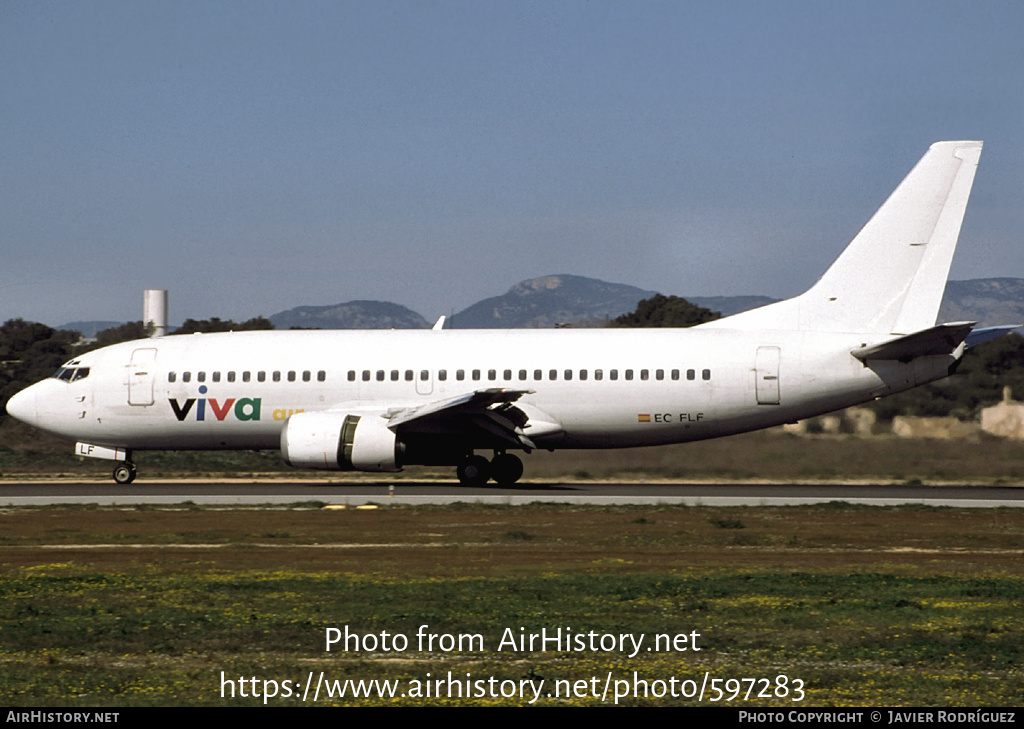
488, 413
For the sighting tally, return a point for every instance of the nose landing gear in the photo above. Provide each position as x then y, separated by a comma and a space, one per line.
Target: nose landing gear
125, 473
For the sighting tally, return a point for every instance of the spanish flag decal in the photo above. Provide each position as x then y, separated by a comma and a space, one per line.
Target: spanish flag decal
643, 418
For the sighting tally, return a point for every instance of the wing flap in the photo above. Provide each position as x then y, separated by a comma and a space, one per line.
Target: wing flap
484, 411
471, 402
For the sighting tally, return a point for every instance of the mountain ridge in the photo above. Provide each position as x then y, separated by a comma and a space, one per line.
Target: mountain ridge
567, 299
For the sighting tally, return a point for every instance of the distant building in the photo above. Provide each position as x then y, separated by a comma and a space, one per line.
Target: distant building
1005, 419
945, 428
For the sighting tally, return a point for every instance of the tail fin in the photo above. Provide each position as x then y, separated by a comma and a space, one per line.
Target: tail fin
891, 277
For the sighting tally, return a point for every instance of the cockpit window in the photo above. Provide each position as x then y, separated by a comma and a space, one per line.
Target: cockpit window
71, 374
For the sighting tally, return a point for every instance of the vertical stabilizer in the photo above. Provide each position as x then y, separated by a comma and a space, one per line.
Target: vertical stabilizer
891, 277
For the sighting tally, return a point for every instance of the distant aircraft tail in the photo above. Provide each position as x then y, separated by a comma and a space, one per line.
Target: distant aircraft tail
891, 277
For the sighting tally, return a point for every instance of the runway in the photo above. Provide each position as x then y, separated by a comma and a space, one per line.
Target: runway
230, 492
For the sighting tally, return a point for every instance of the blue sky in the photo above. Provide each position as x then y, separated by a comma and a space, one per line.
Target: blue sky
255, 156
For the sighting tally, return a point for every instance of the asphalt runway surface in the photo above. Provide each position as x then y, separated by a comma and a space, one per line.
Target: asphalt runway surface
230, 492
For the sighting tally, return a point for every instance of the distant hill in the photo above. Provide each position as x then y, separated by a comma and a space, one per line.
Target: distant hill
564, 299
89, 329
551, 300
988, 301
351, 315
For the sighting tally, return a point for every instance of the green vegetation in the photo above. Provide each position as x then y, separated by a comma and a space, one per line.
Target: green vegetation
115, 335
191, 326
665, 311
867, 606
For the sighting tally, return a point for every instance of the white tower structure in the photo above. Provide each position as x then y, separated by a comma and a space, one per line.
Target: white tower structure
154, 310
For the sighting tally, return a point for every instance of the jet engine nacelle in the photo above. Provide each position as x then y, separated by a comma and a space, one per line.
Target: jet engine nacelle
333, 441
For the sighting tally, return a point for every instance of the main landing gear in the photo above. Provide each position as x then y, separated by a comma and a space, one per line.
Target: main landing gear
125, 473
504, 468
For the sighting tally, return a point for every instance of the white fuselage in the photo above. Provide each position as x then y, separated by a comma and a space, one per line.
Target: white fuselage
589, 388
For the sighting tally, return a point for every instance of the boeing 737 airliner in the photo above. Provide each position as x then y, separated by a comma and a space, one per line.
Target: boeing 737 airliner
381, 400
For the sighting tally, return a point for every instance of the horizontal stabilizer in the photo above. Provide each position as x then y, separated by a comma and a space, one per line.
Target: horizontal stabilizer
941, 339
986, 333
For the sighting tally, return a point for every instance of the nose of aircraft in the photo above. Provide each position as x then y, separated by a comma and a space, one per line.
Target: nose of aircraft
23, 405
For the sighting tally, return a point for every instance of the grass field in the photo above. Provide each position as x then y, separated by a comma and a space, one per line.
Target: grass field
871, 606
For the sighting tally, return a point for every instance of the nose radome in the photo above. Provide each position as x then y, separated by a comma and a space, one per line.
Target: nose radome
23, 406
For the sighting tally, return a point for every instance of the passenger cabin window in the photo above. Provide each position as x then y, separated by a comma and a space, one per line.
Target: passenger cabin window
200, 377
705, 375
442, 375
460, 375
394, 375
321, 376
307, 375
172, 376
231, 376
276, 376
691, 374
186, 377
261, 376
